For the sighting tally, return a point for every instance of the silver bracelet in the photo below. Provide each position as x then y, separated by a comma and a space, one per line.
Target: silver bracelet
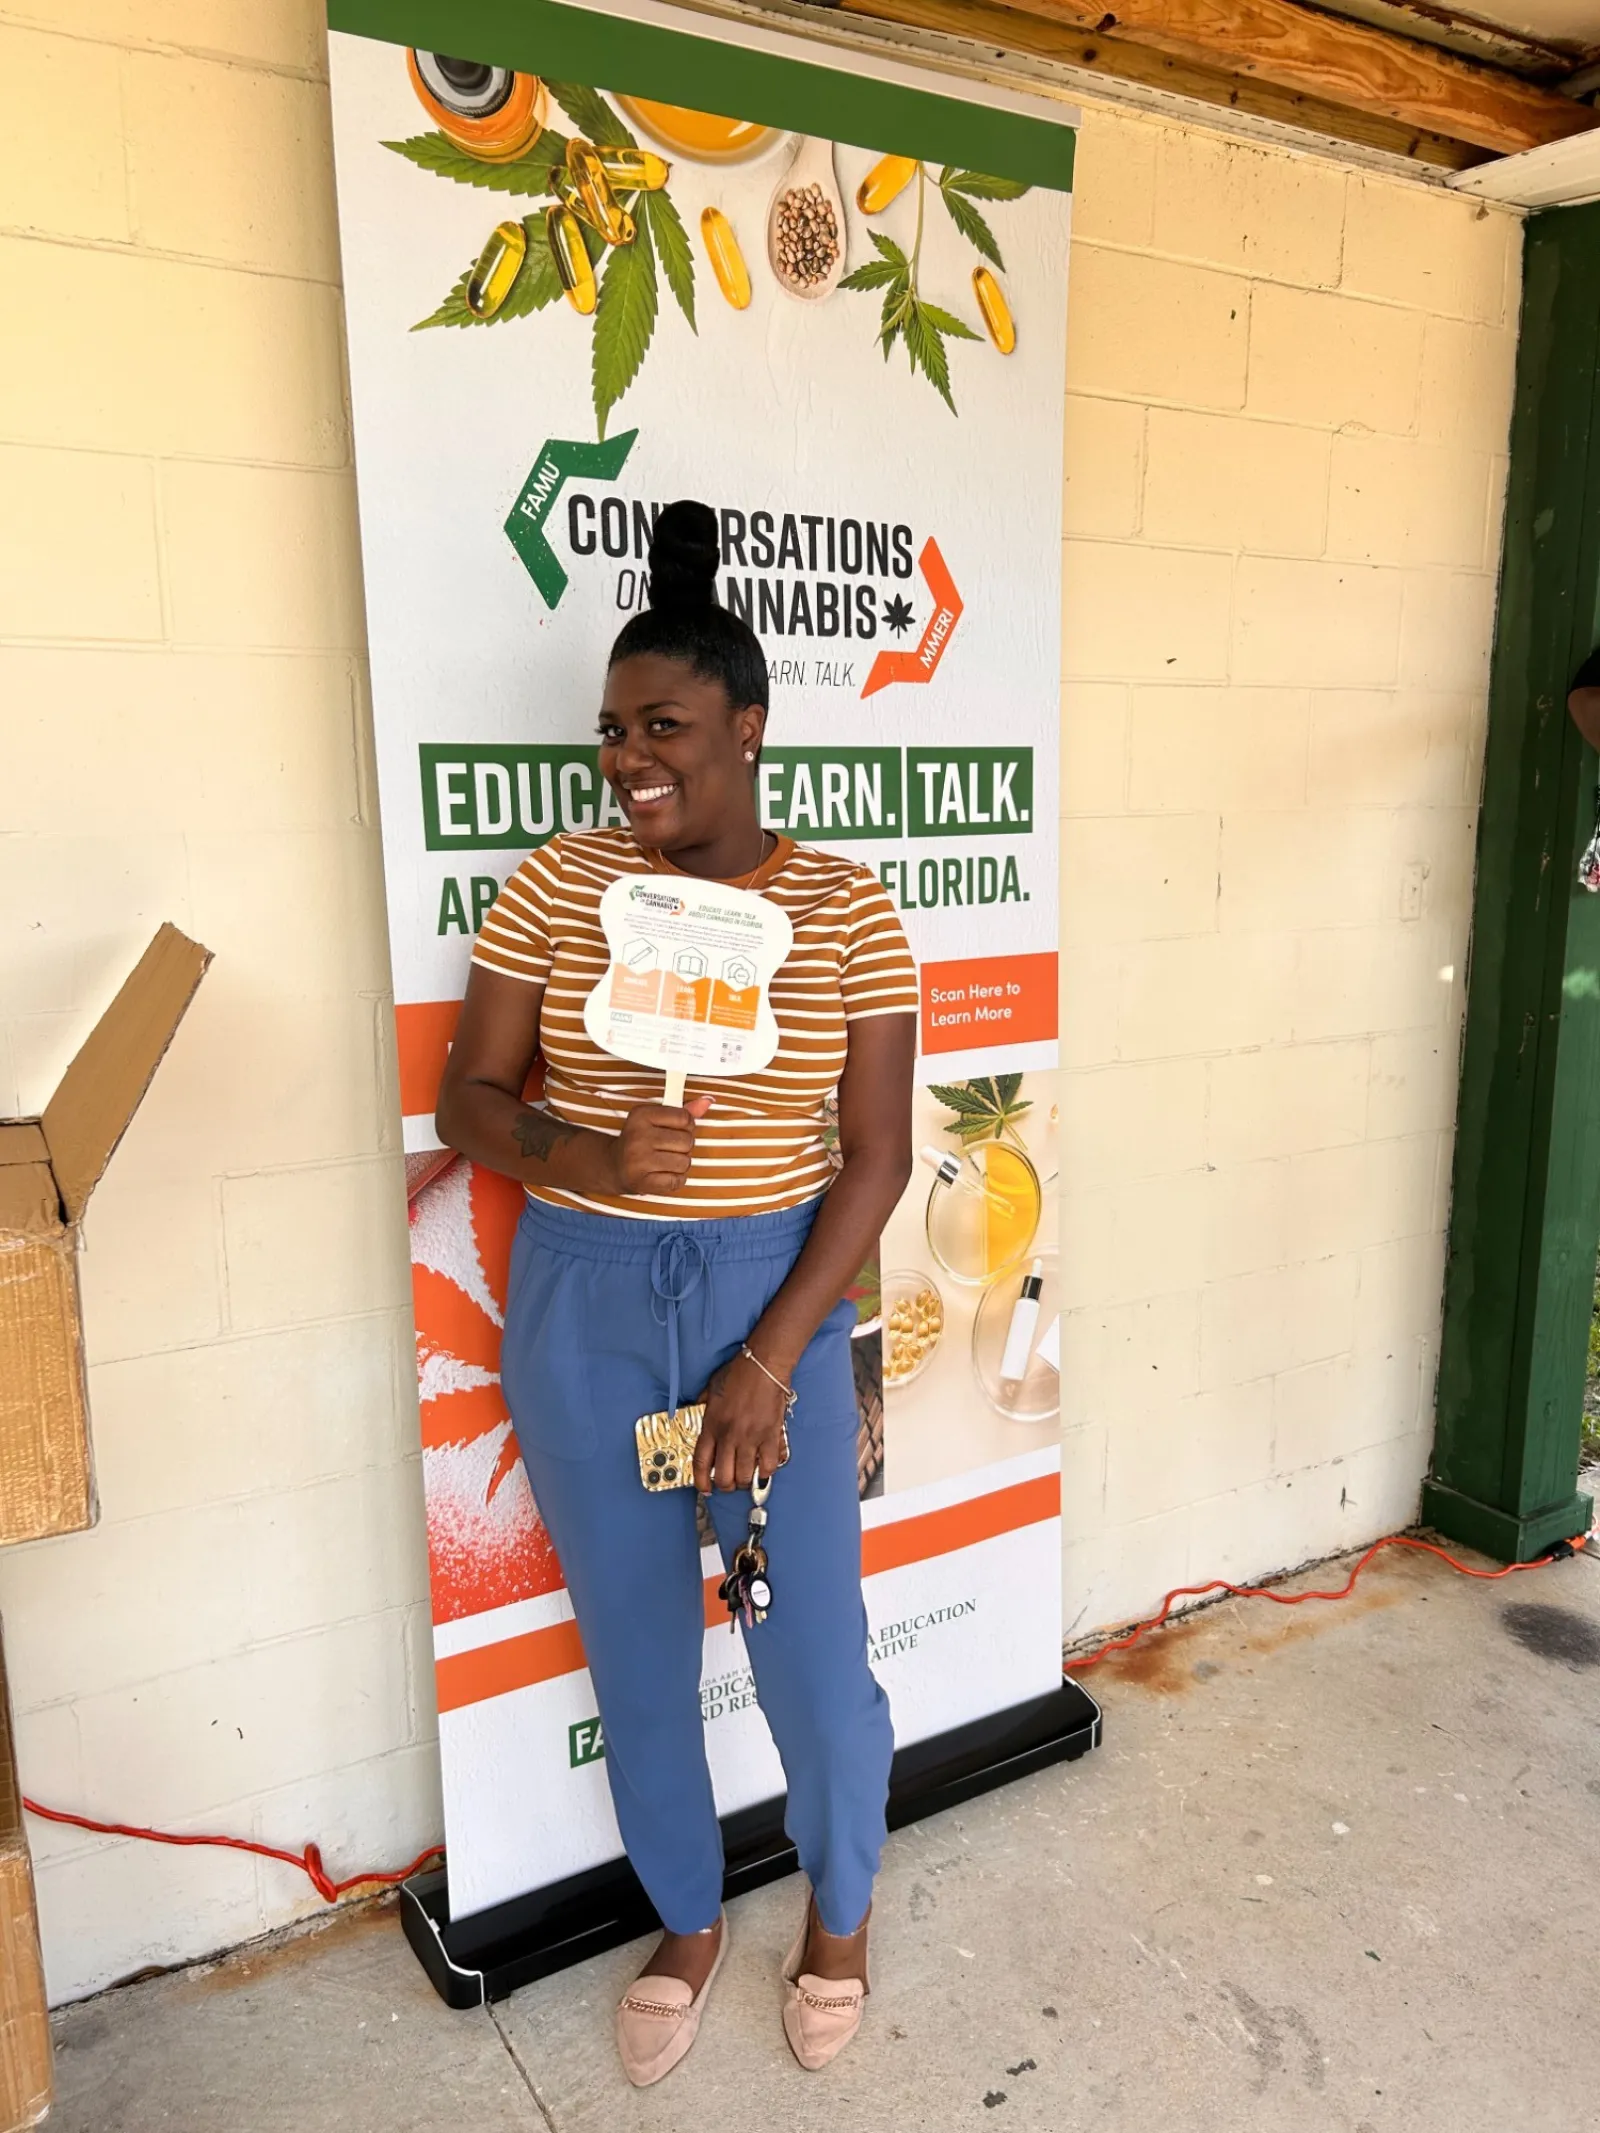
790, 1396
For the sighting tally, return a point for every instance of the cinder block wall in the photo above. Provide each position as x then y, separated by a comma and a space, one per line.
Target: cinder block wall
1287, 391
242, 1644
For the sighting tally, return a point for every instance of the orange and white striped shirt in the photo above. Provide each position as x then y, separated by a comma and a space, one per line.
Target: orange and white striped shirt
761, 1146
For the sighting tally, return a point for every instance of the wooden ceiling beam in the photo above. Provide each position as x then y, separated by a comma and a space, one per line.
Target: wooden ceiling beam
1001, 29
1336, 62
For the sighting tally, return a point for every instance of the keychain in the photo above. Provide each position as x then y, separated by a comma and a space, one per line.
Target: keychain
745, 1591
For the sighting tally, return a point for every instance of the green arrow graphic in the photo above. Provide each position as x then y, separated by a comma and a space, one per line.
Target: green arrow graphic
558, 457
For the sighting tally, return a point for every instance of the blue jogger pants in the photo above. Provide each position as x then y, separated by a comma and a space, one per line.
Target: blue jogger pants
608, 1319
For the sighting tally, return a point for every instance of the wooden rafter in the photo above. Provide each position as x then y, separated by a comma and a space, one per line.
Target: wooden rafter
1337, 62
1000, 28
1274, 59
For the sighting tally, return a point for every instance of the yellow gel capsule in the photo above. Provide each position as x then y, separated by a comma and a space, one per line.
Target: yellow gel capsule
727, 261
594, 189
571, 257
996, 311
634, 170
565, 188
499, 263
885, 181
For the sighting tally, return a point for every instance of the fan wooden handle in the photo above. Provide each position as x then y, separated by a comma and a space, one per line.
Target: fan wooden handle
672, 1095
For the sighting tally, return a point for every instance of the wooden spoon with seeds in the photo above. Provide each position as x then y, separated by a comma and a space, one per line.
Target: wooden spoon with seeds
807, 259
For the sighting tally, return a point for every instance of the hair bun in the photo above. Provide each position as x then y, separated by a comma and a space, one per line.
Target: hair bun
684, 555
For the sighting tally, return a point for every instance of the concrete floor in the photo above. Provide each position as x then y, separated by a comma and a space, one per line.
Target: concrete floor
1326, 1874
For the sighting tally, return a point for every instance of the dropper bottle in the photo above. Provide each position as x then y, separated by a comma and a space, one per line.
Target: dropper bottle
962, 1174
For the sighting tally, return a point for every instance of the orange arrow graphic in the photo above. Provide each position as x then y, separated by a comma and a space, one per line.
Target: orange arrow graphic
922, 664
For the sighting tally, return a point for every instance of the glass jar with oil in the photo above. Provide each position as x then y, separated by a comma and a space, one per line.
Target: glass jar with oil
981, 1223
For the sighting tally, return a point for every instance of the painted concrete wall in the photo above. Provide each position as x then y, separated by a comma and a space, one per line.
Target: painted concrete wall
1287, 393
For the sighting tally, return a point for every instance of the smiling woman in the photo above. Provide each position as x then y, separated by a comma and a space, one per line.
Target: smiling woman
733, 1200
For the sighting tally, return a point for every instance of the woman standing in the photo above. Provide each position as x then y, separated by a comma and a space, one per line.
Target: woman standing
668, 1254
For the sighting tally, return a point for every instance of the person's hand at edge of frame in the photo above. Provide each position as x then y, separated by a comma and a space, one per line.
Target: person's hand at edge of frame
1583, 699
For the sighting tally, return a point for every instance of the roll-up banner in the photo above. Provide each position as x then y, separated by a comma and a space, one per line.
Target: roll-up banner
596, 260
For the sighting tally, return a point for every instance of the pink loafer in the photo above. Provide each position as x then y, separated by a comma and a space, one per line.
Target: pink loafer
658, 2018
820, 2014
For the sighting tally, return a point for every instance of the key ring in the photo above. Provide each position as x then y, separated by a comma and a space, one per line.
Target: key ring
760, 1488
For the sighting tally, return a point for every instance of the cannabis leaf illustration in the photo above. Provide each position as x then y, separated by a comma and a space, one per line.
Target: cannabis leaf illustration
529, 174
897, 615
959, 188
591, 114
986, 1109
907, 315
624, 320
627, 302
671, 240
983, 187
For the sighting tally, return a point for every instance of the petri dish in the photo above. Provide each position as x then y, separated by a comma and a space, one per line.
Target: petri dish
977, 1237
699, 136
1038, 1397
913, 1326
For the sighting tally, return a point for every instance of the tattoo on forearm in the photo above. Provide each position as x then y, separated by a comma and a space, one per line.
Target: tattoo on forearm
536, 1133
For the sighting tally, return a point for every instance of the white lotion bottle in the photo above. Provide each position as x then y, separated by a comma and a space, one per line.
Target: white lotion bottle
1019, 1334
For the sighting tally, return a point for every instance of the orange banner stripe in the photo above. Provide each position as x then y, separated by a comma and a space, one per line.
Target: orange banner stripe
961, 1525
542, 1654
423, 1029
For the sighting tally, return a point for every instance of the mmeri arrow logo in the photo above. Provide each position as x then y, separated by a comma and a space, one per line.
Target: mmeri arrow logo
922, 664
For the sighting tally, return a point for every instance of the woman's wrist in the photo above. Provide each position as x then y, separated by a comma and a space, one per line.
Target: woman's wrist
778, 1381
768, 1349
597, 1156
556, 1152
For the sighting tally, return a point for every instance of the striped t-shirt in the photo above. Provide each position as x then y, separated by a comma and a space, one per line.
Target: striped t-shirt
760, 1146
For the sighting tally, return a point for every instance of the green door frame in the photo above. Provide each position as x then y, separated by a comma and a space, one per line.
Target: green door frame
1525, 1211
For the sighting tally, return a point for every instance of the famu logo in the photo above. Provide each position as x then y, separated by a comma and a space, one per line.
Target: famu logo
799, 578
559, 457
585, 1743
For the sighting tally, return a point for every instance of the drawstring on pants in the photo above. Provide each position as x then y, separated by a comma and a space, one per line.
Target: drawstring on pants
679, 1266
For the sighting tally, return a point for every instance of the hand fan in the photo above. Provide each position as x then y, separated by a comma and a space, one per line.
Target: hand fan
686, 989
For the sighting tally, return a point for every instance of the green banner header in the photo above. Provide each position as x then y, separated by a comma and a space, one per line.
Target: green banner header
515, 796
710, 74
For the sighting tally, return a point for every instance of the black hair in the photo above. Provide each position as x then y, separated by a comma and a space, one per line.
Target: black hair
683, 620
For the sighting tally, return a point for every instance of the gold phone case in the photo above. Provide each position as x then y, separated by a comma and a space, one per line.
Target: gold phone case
666, 1446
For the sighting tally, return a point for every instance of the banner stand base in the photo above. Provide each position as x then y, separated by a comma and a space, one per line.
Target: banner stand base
494, 1952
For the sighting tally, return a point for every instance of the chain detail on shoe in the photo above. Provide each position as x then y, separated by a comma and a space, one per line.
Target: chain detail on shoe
652, 2007
826, 2004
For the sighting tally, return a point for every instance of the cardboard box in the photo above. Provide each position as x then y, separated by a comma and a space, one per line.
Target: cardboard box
48, 1168
25, 2081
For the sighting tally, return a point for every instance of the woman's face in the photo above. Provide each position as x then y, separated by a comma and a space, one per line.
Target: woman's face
674, 753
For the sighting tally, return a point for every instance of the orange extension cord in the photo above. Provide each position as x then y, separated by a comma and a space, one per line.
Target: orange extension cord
1561, 1551
310, 1861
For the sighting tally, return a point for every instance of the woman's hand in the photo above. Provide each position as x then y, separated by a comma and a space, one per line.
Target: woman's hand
743, 1429
653, 1151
